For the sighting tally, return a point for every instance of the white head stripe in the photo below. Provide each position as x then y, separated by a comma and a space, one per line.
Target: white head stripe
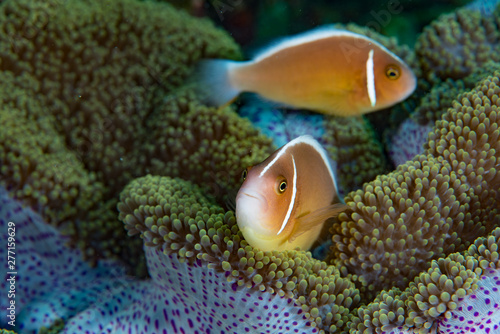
370, 79
292, 202
305, 139
269, 165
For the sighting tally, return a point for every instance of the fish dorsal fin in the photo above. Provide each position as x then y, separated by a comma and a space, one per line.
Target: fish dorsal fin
309, 220
318, 33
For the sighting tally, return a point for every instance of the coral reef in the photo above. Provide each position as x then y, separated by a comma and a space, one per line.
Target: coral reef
83, 84
452, 56
457, 43
174, 217
441, 289
31, 153
404, 137
441, 94
437, 101
251, 291
437, 204
408, 141
188, 236
393, 228
102, 298
91, 99
456, 292
207, 146
353, 147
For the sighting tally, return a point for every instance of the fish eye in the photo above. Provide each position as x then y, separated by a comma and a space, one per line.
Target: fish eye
282, 187
244, 174
392, 72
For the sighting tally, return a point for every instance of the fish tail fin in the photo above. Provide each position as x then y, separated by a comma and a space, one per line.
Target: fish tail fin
212, 77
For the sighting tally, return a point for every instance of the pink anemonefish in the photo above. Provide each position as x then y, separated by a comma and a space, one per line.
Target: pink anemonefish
326, 70
285, 200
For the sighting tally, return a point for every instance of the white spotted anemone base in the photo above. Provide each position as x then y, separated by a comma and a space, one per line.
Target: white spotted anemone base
478, 312
191, 298
182, 298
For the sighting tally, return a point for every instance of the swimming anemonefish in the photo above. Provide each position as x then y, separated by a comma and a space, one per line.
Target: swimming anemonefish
285, 200
326, 70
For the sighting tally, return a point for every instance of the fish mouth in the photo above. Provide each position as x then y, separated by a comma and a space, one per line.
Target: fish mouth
250, 195
247, 194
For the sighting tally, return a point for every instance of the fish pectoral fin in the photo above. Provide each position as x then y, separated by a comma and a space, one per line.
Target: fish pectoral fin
230, 200
306, 222
339, 107
337, 102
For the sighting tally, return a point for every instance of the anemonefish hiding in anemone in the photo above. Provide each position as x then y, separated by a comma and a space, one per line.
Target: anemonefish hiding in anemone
285, 200
325, 70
